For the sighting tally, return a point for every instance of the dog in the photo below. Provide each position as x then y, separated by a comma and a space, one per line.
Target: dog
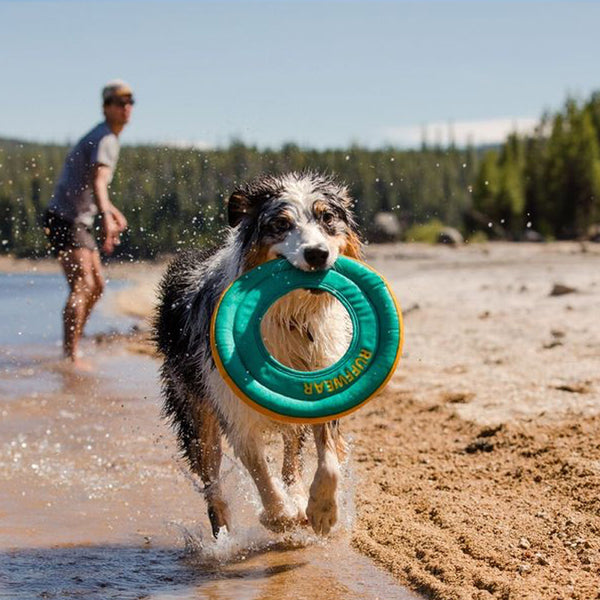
305, 218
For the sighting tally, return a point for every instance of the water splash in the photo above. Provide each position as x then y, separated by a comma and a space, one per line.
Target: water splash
248, 537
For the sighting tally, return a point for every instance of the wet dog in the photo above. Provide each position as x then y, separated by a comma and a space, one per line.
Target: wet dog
305, 218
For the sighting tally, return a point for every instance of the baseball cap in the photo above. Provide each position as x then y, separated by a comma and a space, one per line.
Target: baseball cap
116, 88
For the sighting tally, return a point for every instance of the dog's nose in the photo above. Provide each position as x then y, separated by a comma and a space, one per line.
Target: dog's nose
316, 256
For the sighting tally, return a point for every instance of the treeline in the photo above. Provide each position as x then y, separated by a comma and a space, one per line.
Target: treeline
549, 181
173, 197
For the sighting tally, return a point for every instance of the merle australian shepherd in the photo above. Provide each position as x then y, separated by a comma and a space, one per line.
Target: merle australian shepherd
305, 218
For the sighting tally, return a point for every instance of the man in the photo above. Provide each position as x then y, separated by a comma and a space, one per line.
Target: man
79, 196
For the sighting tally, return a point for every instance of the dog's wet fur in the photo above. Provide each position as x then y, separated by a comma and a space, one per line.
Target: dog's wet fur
307, 219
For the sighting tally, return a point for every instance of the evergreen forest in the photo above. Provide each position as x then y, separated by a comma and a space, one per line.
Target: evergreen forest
546, 182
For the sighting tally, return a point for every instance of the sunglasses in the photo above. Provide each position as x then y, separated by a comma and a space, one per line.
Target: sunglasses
122, 101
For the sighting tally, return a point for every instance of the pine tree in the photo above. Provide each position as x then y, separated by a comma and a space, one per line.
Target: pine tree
511, 193
583, 155
487, 187
552, 212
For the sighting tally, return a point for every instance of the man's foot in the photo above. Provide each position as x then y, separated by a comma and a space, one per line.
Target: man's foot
78, 364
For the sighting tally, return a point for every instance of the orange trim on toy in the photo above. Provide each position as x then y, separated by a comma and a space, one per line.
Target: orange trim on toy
298, 419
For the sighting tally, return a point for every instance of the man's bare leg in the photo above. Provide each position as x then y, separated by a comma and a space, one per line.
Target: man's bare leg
79, 266
98, 288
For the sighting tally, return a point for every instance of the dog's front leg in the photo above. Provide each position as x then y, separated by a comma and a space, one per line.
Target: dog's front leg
205, 455
277, 515
322, 509
291, 470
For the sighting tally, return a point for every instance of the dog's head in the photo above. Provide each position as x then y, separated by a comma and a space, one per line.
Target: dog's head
305, 218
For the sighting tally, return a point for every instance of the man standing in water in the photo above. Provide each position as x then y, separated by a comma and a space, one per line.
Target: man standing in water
80, 194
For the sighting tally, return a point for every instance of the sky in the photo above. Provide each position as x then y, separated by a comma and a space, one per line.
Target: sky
318, 74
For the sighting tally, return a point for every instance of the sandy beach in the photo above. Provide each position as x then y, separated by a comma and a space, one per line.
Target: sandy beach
480, 464
475, 474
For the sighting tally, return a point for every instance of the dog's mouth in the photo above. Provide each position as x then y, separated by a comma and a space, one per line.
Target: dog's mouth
307, 268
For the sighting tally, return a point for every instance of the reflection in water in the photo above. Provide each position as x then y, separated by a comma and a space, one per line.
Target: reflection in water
327, 572
30, 338
32, 304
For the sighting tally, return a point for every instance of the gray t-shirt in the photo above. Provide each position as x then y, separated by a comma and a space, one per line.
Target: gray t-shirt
73, 197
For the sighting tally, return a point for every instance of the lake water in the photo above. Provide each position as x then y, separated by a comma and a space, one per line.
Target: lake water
95, 503
31, 305
31, 329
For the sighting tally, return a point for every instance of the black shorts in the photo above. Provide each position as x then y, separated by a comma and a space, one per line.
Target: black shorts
63, 234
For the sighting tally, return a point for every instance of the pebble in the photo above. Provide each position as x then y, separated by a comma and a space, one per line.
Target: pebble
558, 289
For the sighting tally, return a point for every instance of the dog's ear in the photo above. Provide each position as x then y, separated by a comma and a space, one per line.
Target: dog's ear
238, 207
340, 194
344, 196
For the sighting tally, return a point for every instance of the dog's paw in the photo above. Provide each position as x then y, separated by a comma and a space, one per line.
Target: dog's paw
300, 503
283, 519
298, 495
322, 514
219, 516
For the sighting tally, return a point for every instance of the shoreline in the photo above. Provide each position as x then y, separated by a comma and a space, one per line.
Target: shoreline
478, 466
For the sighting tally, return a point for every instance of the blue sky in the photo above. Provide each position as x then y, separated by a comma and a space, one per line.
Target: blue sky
321, 74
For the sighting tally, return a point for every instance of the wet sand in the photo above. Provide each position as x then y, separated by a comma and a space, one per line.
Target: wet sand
475, 474
95, 502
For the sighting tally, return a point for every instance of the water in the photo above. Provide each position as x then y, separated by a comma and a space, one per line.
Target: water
95, 503
31, 306
123, 573
31, 328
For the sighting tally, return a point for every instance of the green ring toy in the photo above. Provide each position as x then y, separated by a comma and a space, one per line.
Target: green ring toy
307, 396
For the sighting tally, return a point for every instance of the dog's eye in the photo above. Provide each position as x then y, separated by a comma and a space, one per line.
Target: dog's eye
279, 225
328, 217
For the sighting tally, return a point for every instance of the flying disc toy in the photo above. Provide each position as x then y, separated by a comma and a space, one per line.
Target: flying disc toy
295, 396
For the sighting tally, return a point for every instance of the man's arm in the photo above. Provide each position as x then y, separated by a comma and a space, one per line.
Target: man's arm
113, 221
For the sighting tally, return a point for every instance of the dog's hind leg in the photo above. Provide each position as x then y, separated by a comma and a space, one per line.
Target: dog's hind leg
278, 515
322, 509
205, 453
291, 469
